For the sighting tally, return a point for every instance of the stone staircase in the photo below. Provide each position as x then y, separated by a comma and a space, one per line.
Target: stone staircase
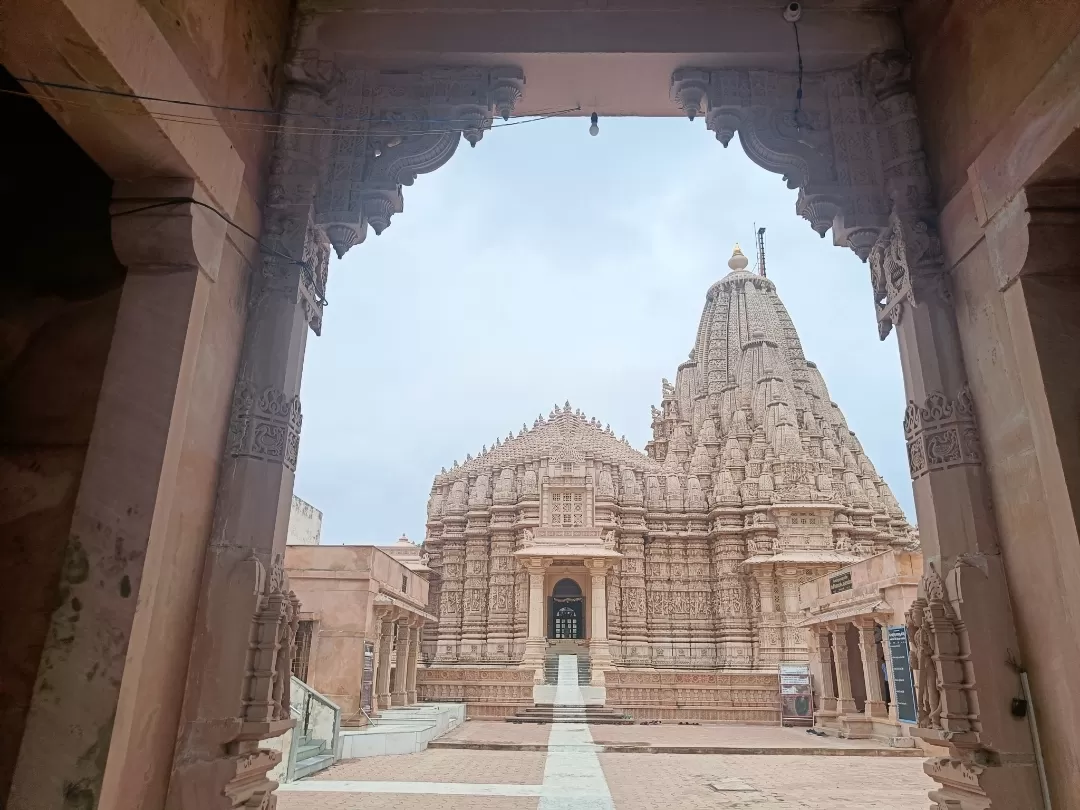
567, 672
551, 669
312, 756
596, 715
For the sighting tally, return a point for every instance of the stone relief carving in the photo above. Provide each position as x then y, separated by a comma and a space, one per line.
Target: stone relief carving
946, 693
941, 433
273, 638
265, 424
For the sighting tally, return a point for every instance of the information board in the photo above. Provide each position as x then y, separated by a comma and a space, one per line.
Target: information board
903, 683
796, 698
840, 582
367, 679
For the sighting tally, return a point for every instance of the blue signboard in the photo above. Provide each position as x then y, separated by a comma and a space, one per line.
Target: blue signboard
903, 684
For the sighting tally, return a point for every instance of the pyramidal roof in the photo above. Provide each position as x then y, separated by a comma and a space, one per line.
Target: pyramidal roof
566, 434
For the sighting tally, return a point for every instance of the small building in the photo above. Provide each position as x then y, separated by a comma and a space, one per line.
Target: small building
305, 524
361, 615
859, 659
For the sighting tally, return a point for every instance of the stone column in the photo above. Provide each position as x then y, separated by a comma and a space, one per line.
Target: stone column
399, 697
868, 650
102, 687
845, 703
536, 643
414, 657
887, 655
599, 654
825, 656
382, 673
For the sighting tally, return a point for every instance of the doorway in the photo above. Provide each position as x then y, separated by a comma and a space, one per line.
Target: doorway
567, 611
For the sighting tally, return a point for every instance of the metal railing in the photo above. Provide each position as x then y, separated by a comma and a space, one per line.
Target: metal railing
315, 717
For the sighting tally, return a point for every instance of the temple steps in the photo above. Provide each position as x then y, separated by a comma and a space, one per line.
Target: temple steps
595, 715
312, 756
551, 669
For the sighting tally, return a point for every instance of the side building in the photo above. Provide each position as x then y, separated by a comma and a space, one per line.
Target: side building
677, 570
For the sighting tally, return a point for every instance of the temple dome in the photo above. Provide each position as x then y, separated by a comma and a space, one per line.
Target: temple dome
566, 435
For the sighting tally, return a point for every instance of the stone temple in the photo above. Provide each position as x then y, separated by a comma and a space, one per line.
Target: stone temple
674, 571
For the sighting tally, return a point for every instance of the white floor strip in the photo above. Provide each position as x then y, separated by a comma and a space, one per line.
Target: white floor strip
567, 689
427, 788
573, 778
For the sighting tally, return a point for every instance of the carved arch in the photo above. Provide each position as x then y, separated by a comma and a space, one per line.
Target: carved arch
851, 146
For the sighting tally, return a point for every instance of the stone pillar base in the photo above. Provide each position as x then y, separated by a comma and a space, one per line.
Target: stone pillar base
398, 698
410, 697
845, 706
383, 701
966, 785
876, 708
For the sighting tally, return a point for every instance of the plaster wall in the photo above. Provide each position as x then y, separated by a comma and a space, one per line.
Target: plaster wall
305, 524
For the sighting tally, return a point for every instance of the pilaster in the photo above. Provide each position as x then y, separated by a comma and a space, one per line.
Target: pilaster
845, 703
868, 651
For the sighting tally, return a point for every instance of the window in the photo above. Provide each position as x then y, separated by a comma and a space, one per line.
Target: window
404, 583
302, 651
567, 467
567, 509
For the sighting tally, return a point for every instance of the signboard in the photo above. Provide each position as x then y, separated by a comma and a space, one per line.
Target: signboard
367, 681
903, 684
796, 699
840, 582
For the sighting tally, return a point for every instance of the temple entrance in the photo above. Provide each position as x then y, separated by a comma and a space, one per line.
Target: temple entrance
567, 611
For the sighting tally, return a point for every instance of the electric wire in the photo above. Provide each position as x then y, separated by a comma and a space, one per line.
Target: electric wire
269, 111
320, 294
798, 93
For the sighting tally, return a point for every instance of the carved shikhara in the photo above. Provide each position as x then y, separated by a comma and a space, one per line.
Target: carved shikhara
852, 148
941, 433
265, 425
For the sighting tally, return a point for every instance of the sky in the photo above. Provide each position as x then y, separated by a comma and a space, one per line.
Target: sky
546, 265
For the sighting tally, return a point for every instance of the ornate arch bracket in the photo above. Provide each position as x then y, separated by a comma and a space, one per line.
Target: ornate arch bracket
852, 147
394, 126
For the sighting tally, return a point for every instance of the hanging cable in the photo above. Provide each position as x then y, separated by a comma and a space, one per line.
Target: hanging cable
262, 110
320, 295
798, 93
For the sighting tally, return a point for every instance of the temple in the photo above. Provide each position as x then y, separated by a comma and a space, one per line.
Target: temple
686, 557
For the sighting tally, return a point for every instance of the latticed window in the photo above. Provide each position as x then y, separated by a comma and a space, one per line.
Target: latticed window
567, 509
302, 652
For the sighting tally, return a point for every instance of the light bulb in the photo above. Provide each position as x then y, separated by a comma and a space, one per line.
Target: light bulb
594, 128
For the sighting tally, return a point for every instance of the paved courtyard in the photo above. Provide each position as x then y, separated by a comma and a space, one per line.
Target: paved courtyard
574, 773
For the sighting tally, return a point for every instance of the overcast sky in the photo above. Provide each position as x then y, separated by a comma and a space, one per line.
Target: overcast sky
547, 265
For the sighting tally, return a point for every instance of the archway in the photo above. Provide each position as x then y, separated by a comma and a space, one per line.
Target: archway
566, 611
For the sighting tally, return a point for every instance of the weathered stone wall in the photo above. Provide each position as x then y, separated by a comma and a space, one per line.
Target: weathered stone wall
974, 62
59, 286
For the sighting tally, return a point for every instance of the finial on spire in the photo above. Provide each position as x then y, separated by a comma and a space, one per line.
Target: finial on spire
738, 261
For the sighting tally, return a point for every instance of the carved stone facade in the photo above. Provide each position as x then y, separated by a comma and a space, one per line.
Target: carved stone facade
751, 485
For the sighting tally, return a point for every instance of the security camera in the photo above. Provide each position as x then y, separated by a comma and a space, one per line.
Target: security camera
793, 12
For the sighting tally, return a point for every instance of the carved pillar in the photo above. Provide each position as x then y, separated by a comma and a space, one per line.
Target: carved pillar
500, 592
890, 675
599, 654
845, 703
632, 592
868, 650
399, 696
536, 644
828, 673
382, 674
475, 604
413, 658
